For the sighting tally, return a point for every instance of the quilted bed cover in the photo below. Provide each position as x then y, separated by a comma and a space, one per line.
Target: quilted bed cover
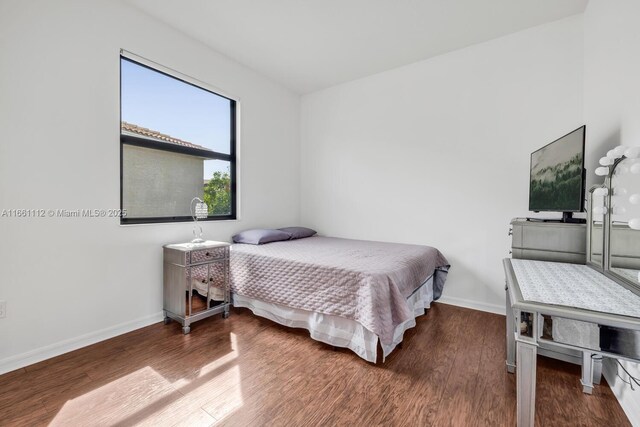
368, 282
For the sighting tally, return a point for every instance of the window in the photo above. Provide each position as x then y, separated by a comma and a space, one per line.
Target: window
177, 142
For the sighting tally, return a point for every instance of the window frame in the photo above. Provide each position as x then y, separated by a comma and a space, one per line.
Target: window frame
232, 157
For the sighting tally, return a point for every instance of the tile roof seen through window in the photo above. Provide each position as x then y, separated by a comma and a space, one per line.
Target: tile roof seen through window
135, 130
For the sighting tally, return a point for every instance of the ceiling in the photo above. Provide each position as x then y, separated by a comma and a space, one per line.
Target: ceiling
308, 45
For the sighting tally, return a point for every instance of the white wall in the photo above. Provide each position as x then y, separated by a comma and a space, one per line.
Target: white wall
612, 112
437, 152
71, 281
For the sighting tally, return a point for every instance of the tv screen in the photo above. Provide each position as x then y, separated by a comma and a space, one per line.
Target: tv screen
557, 182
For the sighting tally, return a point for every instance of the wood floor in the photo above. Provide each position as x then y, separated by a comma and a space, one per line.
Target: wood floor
249, 371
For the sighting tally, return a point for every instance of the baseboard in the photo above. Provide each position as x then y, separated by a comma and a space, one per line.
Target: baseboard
34, 356
467, 303
629, 399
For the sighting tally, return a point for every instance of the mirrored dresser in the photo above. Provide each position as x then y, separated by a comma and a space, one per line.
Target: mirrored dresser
548, 241
593, 308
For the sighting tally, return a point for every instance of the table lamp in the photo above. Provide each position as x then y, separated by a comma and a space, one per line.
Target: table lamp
201, 211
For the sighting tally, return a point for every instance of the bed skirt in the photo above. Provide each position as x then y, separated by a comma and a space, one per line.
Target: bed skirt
339, 331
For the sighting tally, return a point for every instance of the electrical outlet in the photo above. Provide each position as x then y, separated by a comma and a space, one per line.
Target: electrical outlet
3, 309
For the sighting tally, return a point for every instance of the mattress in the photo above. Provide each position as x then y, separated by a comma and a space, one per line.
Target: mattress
363, 281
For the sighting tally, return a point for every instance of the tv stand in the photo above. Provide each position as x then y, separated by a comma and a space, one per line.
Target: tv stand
567, 217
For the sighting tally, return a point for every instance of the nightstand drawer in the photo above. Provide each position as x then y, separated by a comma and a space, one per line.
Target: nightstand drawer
210, 254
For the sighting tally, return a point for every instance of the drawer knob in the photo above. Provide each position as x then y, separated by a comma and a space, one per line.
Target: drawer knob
211, 279
204, 280
207, 254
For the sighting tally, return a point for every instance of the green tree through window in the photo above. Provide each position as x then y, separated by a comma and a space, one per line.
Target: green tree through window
217, 193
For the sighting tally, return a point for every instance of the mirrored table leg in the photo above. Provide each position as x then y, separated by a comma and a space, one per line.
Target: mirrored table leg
587, 372
597, 368
511, 338
526, 382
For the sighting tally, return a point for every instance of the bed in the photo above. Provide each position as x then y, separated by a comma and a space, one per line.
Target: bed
346, 293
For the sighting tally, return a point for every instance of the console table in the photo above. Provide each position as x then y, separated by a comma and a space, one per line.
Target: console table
569, 305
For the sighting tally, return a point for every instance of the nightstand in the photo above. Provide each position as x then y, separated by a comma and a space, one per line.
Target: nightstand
196, 282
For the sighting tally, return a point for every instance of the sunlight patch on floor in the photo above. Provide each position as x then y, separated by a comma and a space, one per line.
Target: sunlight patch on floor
116, 401
216, 364
145, 397
231, 400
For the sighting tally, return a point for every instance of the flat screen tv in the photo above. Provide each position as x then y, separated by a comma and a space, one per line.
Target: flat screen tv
557, 176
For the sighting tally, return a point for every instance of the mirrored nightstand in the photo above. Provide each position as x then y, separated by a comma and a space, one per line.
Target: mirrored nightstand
196, 282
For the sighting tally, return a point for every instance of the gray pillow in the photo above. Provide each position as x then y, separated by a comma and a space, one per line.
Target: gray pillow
259, 236
298, 232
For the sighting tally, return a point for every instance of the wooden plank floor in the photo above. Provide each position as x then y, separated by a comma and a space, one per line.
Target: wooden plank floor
249, 371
